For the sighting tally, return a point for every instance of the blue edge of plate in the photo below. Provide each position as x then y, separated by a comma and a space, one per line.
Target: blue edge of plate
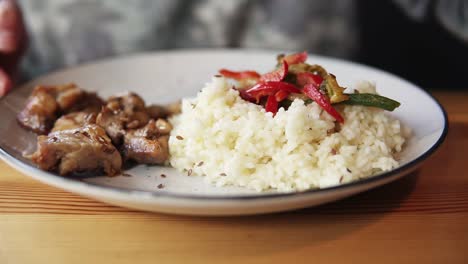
10, 159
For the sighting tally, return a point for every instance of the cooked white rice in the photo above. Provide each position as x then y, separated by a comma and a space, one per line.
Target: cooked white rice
233, 142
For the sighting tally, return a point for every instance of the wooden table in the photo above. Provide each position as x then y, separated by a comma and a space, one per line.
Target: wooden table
422, 218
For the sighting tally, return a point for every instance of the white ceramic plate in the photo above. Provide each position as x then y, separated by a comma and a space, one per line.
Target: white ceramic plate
167, 76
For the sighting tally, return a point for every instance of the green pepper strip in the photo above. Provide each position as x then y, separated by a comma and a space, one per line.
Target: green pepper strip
372, 100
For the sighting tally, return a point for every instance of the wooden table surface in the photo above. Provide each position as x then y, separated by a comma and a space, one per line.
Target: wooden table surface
422, 218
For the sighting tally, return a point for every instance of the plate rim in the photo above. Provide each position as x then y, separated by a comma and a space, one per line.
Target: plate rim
103, 191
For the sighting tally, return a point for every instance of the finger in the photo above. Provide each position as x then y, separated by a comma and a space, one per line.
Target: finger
10, 26
5, 83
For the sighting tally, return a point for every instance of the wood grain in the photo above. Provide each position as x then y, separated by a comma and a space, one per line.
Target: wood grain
422, 218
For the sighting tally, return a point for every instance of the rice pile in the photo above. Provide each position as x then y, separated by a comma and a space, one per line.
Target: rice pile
233, 142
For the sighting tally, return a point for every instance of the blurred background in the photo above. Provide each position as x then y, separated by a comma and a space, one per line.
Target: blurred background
425, 41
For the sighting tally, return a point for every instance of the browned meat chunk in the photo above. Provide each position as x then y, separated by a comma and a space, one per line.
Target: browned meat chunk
148, 144
67, 96
74, 120
77, 150
174, 108
90, 102
122, 113
127, 122
159, 111
40, 111
46, 103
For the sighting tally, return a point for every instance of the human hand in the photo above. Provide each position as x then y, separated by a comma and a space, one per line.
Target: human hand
13, 40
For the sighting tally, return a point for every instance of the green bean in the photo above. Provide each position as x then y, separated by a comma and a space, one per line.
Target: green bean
373, 100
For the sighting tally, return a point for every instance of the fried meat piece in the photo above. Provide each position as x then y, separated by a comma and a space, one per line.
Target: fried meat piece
149, 144
164, 111
40, 112
128, 123
174, 108
47, 103
87, 148
122, 113
90, 102
74, 120
157, 111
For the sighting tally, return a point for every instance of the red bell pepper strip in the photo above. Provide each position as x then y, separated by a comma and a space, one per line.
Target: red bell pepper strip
304, 78
271, 105
281, 95
313, 93
239, 75
276, 75
244, 95
270, 88
295, 58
